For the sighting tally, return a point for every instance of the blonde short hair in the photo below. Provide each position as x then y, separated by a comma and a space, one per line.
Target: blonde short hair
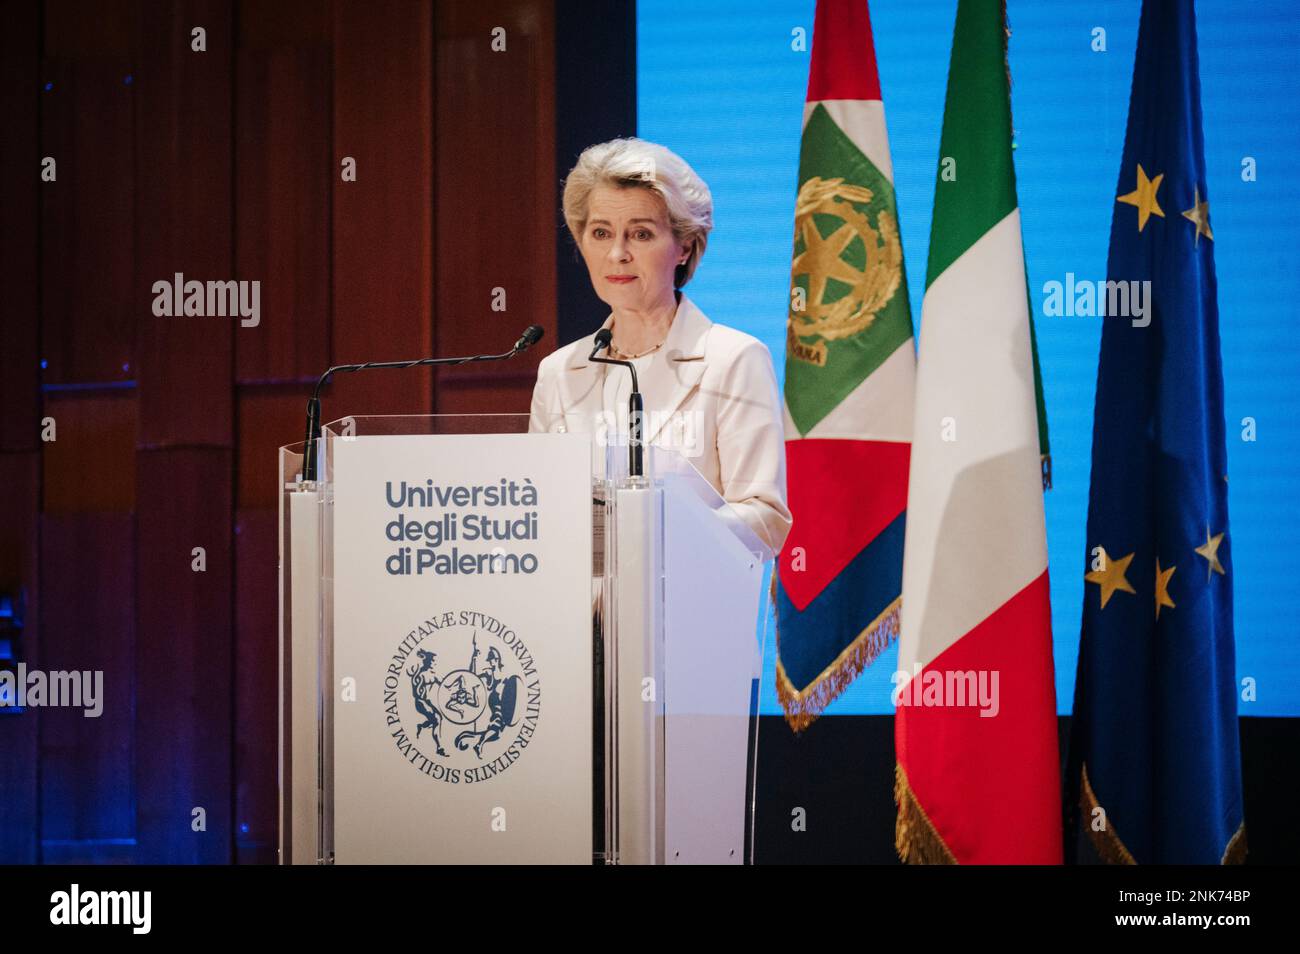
629, 163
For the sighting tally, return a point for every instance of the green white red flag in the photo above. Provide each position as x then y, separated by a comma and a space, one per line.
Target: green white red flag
978, 774
849, 376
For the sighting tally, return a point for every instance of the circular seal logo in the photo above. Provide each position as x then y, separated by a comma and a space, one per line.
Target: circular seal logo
462, 697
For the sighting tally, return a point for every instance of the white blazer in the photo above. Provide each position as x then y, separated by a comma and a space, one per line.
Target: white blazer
710, 394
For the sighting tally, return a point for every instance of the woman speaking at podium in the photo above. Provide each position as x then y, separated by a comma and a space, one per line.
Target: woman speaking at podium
641, 218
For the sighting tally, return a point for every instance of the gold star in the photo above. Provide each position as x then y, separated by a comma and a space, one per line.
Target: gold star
1199, 215
1144, 197
1211, 553
1162, 587
1111, 576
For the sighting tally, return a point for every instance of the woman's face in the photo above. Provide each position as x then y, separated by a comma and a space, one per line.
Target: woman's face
629, 248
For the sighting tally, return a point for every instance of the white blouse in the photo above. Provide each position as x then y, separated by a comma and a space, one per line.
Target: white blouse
710, 394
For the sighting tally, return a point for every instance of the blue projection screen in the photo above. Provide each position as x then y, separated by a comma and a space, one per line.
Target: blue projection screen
720, 83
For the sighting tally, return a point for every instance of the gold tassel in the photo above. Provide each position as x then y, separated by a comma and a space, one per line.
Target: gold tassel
1235, 853
915, 838
1111, 848
1106, 843
802, 706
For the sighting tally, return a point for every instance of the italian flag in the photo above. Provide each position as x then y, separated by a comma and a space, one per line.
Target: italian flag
977, 779
849, 374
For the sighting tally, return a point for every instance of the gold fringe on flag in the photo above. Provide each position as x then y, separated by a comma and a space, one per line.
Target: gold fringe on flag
1235, 853
915, 838
1113, 851
804, 705
1106, 843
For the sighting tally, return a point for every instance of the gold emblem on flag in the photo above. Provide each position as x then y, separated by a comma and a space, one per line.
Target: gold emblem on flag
810, 328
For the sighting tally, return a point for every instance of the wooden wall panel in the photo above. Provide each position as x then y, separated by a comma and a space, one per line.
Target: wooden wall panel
20, 478
256, 685
19, 217
183, 656
285, 163
20, 411
284, 25
20, 580
225, 164
268, 419
479, 394
90, 466
86, 29
383, 222
184, 466
496, 206
283, 154
183, 220
88, 623
87, 215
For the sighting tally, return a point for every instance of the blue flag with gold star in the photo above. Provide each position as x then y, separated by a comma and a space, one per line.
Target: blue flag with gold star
1155, 770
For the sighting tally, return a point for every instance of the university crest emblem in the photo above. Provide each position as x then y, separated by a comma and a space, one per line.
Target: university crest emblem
465, 722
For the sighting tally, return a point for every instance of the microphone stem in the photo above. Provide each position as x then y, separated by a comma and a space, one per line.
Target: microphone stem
311, 450
635, 415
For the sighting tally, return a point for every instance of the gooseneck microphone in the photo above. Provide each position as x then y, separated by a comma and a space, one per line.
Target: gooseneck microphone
635, 406
530, 337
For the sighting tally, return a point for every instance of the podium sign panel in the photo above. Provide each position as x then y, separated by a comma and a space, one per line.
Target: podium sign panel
460, 633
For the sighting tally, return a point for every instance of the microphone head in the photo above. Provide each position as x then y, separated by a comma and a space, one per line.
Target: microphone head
603, 338
532, 334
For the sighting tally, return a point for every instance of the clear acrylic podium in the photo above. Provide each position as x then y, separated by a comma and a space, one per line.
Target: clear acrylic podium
654, 710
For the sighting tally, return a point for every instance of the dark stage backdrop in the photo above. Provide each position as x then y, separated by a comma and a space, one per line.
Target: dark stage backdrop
227, 164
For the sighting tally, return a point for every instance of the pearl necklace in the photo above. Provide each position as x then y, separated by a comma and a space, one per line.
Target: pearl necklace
633, 357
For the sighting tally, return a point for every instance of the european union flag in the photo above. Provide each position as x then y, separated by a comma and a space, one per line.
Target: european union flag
1155, 772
